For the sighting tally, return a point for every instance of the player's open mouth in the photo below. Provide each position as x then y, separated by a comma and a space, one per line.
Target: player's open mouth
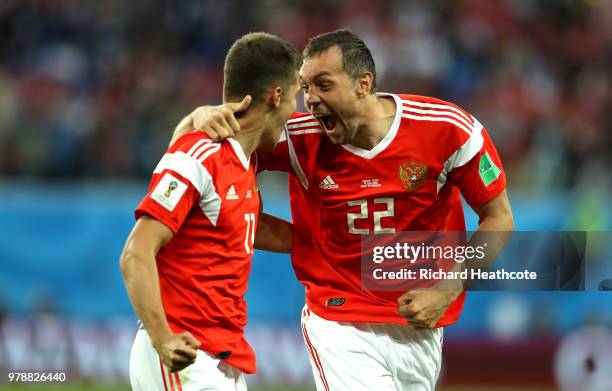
328, 122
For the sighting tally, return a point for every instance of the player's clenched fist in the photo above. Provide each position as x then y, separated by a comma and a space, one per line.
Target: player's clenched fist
424, 308
178, 351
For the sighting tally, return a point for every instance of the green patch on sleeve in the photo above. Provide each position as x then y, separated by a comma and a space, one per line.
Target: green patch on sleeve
488, 171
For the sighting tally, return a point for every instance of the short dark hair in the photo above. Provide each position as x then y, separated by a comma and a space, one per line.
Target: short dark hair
257, 61
356, 57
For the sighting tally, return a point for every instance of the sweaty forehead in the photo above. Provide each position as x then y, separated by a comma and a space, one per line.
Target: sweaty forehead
328, 62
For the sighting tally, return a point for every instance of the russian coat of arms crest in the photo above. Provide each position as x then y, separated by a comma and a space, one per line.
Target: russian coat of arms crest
412, 175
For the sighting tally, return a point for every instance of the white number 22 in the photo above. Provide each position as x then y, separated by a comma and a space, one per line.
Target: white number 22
363, 214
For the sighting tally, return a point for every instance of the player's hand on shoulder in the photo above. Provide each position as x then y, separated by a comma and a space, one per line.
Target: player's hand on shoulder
177, 351
219, 122
424, 308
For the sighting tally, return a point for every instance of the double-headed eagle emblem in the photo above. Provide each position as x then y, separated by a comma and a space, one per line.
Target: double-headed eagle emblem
412, 175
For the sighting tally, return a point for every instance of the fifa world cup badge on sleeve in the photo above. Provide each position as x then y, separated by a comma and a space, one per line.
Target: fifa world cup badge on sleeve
168, 191
488, 171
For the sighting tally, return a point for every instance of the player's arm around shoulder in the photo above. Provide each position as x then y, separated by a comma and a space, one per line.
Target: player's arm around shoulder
139, 270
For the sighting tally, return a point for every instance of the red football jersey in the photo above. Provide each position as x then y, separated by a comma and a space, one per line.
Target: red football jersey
206, 193
410, 181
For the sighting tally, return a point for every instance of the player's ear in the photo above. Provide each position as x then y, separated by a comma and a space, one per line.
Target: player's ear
364, 84
275, 96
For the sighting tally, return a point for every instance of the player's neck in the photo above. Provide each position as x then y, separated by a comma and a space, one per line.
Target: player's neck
251, 128
374, 122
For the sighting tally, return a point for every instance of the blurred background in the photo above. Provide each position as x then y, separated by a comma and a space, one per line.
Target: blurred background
91, 91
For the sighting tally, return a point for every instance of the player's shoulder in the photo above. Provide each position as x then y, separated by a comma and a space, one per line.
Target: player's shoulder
303, 123
437, 112
197, 146
188, 140
298, 115
431, 102
411, 98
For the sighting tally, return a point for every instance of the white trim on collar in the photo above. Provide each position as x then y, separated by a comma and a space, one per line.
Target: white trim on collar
384, 143
239, 152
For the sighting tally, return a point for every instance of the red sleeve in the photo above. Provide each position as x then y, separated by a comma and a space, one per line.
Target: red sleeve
482, 178
169, 200
177, 183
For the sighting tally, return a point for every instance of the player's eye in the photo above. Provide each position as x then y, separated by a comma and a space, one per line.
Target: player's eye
304, 87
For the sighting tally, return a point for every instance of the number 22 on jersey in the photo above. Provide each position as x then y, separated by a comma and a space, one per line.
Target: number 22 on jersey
376, 216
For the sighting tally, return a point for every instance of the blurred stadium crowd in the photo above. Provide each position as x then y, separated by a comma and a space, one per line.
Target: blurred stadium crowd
93, 89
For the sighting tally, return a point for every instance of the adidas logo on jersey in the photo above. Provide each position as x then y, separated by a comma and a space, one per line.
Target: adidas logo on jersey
231, 194
328, 183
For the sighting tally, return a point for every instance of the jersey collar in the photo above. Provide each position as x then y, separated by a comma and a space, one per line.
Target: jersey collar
384, 143
239, 152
